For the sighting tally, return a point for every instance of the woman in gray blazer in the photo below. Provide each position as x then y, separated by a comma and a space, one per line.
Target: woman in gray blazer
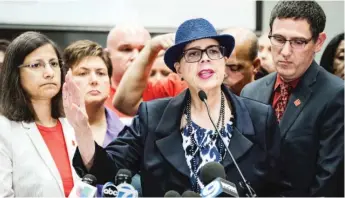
36, 142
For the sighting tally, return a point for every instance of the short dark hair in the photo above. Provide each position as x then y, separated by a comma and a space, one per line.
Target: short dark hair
3, 45
328, 55
308, 10
15, 103
78, 50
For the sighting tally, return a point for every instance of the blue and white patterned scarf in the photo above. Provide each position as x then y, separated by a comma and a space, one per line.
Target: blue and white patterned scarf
207, 151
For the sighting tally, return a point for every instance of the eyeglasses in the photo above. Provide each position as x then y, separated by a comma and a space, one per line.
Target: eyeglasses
298, 43
40, 64
214, 52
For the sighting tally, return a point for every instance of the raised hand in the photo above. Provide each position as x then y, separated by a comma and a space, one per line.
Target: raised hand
162, 42
74, 104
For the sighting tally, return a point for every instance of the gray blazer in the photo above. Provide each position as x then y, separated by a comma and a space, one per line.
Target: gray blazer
312, 132
27, 168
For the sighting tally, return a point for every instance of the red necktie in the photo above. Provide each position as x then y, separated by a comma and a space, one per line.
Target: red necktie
285, 88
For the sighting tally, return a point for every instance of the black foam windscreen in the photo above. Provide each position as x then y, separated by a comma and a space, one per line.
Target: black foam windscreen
202, 95
124, 172
89, 179
172, 193
190, 193
123, 176
211, 171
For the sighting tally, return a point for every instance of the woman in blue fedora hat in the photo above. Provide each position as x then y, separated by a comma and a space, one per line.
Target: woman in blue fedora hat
171, 139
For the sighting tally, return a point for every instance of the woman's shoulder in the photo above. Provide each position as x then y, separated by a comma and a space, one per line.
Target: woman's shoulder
156, 105
3, 120
6, 134
154, 110
258, 111
6, 124
159, 101
254, 105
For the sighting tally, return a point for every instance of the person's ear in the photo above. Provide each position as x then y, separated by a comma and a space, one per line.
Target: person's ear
319, 42
256, 65
178, 69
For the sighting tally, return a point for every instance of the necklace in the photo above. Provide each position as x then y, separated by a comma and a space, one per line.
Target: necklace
195, 147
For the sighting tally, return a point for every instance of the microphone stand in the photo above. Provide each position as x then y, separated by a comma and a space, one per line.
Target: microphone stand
251, 192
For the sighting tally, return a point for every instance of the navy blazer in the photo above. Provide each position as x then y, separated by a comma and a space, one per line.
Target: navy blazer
153, 146
312, 131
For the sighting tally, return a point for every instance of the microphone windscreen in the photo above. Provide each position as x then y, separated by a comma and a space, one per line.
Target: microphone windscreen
190, 193
202, 95
211, 171
172, 193
125, 172
123, 176
89, 179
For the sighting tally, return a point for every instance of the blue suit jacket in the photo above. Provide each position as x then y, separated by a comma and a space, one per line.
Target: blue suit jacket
153, 145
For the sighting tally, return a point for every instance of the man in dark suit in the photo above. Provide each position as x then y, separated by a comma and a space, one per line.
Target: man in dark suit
308, 101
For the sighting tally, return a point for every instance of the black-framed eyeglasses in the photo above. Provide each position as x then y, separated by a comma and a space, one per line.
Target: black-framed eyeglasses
297, 43
40, 64
214, 52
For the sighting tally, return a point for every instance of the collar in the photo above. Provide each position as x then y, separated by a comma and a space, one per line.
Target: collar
280, 81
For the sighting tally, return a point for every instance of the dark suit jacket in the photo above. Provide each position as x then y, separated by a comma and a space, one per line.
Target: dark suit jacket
153, 145
312, 132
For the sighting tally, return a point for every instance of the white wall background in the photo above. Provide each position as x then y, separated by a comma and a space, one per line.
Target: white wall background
334, 11
156, 15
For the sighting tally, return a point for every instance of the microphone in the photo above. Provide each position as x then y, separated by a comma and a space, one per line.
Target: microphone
249, 189
123, 181
172, 193
126, 190
123, 176
211, 171
109, 190
202, 95
85, 187
190, 193
219, 188
213, 176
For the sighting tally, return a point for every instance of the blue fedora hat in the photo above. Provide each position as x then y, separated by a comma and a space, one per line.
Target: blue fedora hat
191, 30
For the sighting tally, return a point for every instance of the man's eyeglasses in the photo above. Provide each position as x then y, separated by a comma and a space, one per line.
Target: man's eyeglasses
298, 43
214, 52
40, 64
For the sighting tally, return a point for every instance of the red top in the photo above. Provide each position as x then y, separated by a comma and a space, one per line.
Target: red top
169, 87
109, 103
55, 140
279, 81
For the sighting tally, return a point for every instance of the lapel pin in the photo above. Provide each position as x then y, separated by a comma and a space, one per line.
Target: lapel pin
297, 102
73, 142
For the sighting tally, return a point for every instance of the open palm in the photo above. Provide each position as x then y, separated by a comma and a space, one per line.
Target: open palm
74, 104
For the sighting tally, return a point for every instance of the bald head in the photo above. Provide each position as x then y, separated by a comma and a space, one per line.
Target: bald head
265, 53
124, 43
242, 64
126, 30
245, 41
